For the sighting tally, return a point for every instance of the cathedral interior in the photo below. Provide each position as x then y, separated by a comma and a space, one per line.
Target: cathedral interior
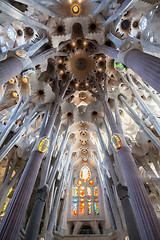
79, 119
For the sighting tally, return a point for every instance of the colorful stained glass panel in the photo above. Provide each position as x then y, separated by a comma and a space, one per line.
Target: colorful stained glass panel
82, 208
74, 209
88, 191
82, 191
89, 204
91, 183
95, 191
75, 194
96, 208
85, 174
79, 183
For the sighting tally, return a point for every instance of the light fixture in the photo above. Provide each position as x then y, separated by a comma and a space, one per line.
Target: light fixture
73, 44
25, 80
85, 43
76, 9
60, 61
15, 94
12, 81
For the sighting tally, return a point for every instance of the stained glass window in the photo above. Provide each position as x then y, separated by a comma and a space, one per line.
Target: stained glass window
91, 183
3, 209
82, 208
74, 209
96, 208
89, 204
88, 191
89, 199
75, 200
79, 183
85, 174
95, 191
82, 199
75, 192
82, 191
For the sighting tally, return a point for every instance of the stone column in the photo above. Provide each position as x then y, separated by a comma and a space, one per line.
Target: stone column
110, 194
107, 159
10, 226
118, 166
35, 220
110, 213
145, 65
128, 109
54, 211
12, 66
145, 216
33, 227
9, 68
128, 213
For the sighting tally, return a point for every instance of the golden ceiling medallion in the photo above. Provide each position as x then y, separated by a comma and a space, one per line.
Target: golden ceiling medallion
44, 144
21, 53
80, 65
76, 9
82, 95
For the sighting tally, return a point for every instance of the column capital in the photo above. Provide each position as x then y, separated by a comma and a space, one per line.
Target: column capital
124, 49
23, 57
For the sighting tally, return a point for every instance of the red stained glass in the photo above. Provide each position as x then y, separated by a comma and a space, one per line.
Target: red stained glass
82, 191
91, 183
74, 209
79, 183
82, 208
75, 193
95, 191
89, 208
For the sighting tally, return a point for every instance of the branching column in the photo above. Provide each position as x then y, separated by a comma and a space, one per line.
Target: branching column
145, 65
146, 218
10, 226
